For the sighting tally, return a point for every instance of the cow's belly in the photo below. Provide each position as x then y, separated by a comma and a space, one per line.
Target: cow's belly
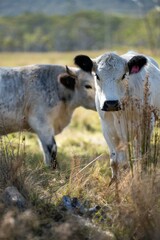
12, 122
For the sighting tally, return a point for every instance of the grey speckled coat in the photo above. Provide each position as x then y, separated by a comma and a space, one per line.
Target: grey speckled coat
41, 99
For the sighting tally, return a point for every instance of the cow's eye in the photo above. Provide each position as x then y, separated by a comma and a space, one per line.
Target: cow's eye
124, 75
88, 86
97, 77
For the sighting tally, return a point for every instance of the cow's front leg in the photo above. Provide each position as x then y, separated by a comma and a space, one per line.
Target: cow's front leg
45, 134
114, 165
49, 150
112, 140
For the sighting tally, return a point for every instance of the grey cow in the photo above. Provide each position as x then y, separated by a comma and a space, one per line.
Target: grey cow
41, 99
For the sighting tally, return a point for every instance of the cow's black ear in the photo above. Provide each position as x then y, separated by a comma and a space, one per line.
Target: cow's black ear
136, 63
84, 62
68, 81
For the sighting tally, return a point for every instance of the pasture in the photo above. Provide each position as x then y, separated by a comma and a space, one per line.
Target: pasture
130, 210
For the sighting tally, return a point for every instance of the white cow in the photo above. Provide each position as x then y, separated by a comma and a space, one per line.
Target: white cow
116, 76
41, 99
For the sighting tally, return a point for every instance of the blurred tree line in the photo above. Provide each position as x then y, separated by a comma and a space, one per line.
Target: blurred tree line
80, 31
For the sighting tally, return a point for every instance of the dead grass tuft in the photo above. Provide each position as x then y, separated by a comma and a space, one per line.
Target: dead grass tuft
137, 214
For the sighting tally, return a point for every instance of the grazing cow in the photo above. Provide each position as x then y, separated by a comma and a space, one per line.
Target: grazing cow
41, 99
117, 75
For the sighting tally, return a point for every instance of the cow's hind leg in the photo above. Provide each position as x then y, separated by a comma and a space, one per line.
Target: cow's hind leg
46, 136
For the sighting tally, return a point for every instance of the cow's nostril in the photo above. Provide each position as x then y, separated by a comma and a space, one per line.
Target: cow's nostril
105, 106
113, 105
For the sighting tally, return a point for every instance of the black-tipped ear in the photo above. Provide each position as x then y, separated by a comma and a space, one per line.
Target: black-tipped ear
136, 63
84, 62
68, 81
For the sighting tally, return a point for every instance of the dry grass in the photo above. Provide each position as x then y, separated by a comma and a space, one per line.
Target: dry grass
138, 210
27, 58
42, 219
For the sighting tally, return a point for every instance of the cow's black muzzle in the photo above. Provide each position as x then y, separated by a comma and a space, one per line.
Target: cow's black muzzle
110, 106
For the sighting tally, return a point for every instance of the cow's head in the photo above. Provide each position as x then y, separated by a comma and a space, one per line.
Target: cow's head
110, 70
78, 87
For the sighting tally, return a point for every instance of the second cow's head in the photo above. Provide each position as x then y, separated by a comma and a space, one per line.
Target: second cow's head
110, 71
78, 87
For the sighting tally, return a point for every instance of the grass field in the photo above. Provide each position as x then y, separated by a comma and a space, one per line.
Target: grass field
133, 214
20, 59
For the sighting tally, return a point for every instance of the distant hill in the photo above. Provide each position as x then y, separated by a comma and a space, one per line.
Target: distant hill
63, 7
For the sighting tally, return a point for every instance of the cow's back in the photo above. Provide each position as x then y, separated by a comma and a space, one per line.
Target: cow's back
22, 89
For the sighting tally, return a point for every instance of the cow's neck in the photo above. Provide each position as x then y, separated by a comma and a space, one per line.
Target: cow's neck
61, 116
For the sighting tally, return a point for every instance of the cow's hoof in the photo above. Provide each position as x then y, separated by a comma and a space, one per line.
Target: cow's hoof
54, 164
113, 180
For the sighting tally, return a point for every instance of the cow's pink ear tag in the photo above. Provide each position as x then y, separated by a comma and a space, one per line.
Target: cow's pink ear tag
135, 69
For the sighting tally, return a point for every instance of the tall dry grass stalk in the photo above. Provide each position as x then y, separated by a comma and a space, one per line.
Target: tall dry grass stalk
12, 161
14, 170
142, 128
